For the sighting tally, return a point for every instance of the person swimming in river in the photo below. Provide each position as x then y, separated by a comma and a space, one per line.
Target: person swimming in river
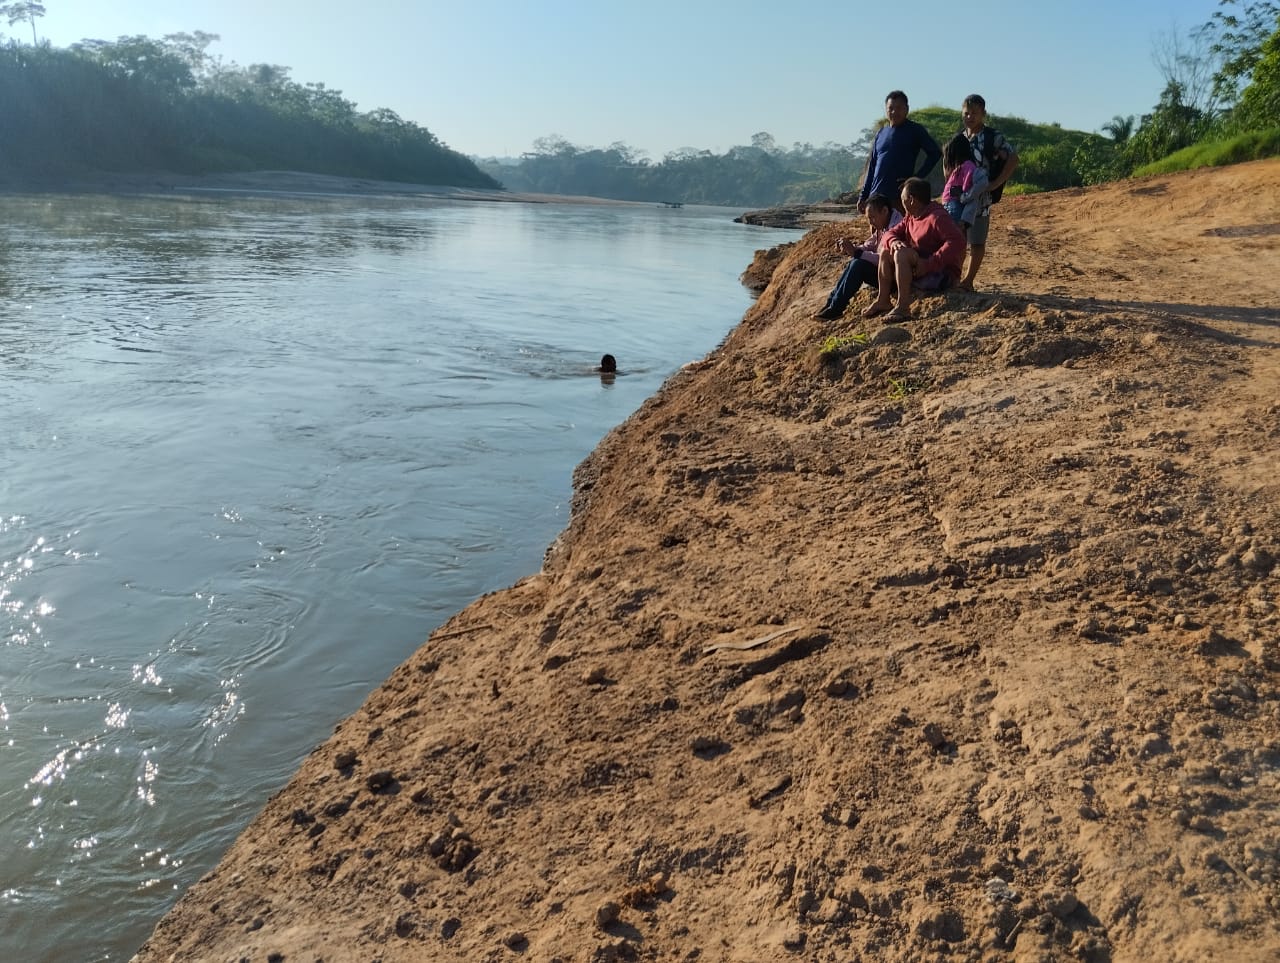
608, 365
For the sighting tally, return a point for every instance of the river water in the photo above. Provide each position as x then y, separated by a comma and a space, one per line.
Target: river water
254, 451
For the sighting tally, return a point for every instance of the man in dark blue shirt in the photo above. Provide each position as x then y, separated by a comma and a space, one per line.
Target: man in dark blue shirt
895, 151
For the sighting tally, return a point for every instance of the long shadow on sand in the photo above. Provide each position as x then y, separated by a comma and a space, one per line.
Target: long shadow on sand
1188, 314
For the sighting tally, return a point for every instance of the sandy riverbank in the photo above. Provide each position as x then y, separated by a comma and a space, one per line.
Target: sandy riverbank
960, 645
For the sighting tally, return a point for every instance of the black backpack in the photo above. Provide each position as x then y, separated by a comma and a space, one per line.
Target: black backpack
994, 163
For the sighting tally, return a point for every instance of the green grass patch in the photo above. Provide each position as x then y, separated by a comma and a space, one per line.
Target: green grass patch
1252, 145
902, 388
836, 347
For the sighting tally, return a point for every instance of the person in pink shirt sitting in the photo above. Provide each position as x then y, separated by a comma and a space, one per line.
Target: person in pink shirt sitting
925, 250
863, 258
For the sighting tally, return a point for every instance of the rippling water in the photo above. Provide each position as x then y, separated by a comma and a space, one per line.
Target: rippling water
254, 451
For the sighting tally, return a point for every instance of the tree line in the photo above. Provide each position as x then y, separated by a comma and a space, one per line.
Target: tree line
758, 173
138, 104
141, 104
1220, 104
762, 173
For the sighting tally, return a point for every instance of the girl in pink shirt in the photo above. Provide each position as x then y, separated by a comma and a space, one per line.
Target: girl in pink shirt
966, 182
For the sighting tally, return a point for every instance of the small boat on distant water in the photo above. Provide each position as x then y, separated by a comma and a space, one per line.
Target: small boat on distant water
672, 203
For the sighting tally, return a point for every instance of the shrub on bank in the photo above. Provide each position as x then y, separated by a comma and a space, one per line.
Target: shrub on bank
1251, 145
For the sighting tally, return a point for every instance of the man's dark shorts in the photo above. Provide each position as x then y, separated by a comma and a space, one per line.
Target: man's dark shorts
978, 232
933, 281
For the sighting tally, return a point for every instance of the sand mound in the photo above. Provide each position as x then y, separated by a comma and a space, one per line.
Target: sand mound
961, 643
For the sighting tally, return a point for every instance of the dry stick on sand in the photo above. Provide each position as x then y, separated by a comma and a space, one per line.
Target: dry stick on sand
457, 632
740, 646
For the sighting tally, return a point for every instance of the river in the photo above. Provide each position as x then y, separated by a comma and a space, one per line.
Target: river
255, 450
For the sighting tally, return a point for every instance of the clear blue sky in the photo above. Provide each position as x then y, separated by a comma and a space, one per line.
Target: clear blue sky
490, 76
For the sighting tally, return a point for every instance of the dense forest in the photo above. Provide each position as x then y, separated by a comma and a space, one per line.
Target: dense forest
138, 104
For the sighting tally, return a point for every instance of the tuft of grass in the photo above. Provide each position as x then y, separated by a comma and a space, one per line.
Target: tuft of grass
902, 388
1252, 145
836, 347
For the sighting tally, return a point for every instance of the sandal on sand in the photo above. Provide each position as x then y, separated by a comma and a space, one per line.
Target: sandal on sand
876, 310
897, 316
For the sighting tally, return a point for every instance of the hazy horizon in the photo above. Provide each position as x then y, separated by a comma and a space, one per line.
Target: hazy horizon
490, 80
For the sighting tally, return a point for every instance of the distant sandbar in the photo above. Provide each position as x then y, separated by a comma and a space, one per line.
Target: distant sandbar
287, 183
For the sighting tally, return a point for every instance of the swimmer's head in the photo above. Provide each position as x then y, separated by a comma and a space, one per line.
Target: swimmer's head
608, 364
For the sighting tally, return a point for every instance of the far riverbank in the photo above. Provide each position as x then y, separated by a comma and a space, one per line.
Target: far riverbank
291, 183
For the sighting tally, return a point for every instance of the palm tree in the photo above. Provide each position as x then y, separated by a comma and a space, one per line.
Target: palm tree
1120, 128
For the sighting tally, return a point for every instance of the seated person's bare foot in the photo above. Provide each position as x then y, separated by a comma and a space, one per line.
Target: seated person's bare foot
876, 310
965, 286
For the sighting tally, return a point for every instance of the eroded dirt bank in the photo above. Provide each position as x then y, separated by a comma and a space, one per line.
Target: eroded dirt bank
963, 645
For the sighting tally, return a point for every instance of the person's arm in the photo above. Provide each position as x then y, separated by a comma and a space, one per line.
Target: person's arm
868, 175
867, 246
932, 152
951, 249
975, 198
1010, 164
977, 185
894, 237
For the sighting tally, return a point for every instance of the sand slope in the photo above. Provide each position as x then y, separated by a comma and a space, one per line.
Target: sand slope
1007, 679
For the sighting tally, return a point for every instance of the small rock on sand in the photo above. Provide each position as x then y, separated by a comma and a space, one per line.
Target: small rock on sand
1000, 891
515, 940
932, 734
708, 744
1257, 560
1060, 902
891, 334
607, 913
344, 759
793, 939
1200, 824
836, 686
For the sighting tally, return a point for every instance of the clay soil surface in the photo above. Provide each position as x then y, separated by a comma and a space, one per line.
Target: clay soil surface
962, 644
